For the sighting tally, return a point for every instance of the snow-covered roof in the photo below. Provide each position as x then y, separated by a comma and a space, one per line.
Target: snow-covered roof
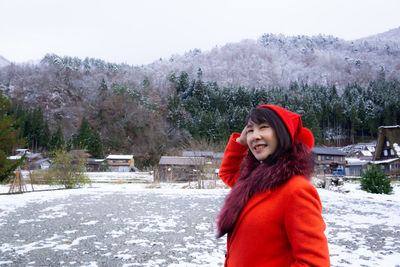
328, 151
371, 148
33, 155
120, 156
355, 162
199, 153
41, 161
384, 161
171, 160
396, 147
390, 127
93, 160
15, 157
366, 153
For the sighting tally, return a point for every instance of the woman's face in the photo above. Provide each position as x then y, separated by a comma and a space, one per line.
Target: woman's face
261, 139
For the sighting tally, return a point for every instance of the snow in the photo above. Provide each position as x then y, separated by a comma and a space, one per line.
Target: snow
396, 148
120, 157
384, 161
348, 217
356, 161
366, 153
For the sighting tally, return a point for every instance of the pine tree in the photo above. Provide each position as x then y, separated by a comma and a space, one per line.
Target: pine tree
83, 135
8, 139
57, 141
95, 146
374, 180
44, 137
103, 86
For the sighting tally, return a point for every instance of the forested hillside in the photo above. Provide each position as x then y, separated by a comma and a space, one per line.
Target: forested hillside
344, 90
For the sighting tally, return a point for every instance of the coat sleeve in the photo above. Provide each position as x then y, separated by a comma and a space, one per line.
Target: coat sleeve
233, 157
305, 227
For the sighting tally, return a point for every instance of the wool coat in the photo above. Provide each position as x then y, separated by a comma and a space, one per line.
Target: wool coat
280, 227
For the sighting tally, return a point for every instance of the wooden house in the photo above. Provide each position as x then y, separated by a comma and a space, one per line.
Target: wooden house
95, 165
328, 160
355, 166
214, 158
121, 163
33, 161
179, 169
387, 152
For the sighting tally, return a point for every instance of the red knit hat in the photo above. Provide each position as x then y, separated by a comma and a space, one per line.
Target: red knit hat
293, 124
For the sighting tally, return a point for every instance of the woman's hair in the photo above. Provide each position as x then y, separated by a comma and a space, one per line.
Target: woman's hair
266, 115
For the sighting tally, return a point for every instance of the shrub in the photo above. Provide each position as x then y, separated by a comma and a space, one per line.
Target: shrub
374, 180
41, 177
68, 169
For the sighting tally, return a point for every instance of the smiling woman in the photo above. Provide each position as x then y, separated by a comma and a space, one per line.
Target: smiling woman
273, 214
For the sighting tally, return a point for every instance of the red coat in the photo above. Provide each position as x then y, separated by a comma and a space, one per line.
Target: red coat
281, 228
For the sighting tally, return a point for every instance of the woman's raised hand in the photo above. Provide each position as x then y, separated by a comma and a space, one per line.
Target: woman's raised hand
243, 137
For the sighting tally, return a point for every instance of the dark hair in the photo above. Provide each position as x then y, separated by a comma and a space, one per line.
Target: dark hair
262, 115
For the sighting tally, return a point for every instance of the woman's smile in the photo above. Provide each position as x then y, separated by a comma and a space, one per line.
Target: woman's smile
261, 139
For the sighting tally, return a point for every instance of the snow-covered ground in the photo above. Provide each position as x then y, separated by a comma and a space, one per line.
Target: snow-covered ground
164, 225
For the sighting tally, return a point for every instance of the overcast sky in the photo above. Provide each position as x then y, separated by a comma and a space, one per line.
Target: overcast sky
141, 31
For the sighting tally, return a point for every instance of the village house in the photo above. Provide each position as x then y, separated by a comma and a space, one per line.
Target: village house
33, 161
179, 169
95, 165
355, 166
214, 158
387, 152
121, 163
328, 160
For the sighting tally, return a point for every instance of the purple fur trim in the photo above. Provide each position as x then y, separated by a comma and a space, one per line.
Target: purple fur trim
256, 177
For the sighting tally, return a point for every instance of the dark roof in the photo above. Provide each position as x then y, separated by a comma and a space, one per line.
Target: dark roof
33, 155
41, 161
168, 160
324, 150
199, 153
391, 134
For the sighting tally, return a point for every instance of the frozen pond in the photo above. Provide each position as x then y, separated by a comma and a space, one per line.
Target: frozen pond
131, 225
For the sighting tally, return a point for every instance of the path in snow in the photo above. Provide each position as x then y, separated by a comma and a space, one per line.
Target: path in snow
126, 225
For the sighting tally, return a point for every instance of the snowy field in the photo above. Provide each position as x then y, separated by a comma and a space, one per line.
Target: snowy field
145, 225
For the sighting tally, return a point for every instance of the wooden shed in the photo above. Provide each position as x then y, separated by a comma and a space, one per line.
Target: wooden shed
179, 169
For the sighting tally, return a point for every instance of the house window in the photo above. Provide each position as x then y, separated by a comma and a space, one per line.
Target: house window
391, 152
327, 157
319, 157
394, 166
387, 143
385, 152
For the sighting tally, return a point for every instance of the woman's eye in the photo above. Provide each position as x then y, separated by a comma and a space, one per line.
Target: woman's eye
250, 131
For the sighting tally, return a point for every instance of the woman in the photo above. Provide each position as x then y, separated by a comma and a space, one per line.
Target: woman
273, 214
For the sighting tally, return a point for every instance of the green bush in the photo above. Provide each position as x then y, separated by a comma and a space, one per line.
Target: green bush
68, 170
374, 180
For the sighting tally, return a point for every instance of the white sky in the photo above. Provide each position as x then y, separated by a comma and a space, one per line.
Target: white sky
141, 31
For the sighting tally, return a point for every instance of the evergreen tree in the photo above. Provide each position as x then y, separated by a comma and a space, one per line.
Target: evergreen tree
57, 141
374, 180
95, 146
8, 139
103, 86
81, 139
44, 137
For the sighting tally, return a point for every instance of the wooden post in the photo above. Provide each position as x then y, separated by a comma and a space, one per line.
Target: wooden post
30, 177
18, 185
327, 181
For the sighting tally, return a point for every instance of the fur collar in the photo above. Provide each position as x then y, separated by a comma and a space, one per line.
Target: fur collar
256, 177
